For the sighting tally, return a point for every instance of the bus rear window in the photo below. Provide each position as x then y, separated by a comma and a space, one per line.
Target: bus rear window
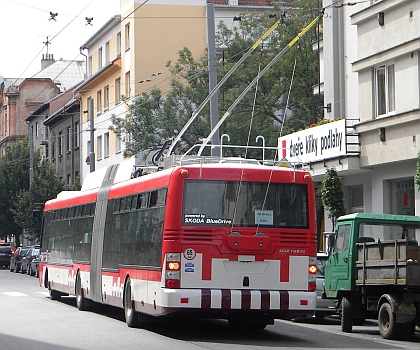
246, 204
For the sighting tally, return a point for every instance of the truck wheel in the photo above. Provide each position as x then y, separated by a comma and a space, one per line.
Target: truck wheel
346, 321
388, 327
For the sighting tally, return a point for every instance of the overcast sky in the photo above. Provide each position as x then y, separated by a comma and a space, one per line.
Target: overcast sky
26, 24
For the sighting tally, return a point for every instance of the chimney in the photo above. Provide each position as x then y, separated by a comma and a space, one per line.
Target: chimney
47, 60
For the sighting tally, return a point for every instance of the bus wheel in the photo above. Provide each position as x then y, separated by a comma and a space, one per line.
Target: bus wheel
388, 327
346, 321
54, 295
81, 303
131, 316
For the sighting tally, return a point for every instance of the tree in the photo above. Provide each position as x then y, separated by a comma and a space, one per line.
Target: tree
46, 185
14, 177
332, 195
417, 176
153, 117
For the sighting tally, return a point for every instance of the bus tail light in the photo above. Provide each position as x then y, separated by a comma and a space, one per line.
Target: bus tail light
312, 269
173, 270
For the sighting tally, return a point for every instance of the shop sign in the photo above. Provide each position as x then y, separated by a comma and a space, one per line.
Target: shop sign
314, 144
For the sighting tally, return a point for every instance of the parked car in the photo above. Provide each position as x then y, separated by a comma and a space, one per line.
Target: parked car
6, 251
28, 258
33, 267
324, 307
16, 258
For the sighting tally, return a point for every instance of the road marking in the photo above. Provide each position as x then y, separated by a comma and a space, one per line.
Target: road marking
15, 294
47, 294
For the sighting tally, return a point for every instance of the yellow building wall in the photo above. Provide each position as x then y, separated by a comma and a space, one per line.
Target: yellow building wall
157, 34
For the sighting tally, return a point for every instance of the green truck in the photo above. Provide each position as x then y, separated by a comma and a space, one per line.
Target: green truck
373, 270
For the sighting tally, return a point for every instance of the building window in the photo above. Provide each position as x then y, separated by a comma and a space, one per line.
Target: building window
117, 144
385, 90
118, 43
36, 129
76, 135
88, 150
356, 199
100, 58
117, 90
106, 97
90, 66
99, 101
107, 53
68, 138
60, 144
127, 36
99, 147
127, 84
106, 144
86, 116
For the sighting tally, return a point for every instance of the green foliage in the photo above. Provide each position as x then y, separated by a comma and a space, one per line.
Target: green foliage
46, 185
332, 195
14, 177
417, 175
18, 198
154, 117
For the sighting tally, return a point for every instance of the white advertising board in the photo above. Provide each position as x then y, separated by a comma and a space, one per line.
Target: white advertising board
314, 144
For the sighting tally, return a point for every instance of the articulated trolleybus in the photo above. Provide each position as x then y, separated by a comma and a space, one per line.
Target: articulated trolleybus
218, 239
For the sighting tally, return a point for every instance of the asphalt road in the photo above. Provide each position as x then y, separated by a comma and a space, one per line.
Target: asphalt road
30, 320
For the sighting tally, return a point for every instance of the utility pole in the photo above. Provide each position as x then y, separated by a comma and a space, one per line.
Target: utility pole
214, 103
92, 137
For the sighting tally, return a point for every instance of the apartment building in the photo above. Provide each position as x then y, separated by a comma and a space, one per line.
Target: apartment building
18, 98
370, 79
128, 56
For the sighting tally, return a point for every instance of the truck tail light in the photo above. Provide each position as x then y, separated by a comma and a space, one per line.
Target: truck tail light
173, 270
312, 269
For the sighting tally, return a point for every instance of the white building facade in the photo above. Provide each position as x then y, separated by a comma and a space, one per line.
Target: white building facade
371, 78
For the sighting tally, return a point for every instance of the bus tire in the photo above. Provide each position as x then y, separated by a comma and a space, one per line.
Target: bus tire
346, 321
131, 316
388, 327
54, 295
81, 302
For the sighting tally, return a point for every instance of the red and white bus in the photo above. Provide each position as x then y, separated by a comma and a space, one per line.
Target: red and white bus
222, 240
